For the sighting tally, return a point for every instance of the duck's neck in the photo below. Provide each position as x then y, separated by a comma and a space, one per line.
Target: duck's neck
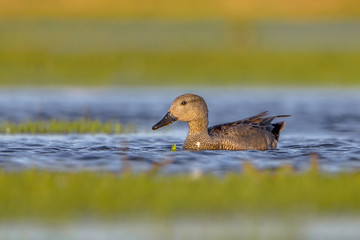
198, 127
198, 137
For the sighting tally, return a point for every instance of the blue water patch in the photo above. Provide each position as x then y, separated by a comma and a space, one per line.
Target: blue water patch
323, 123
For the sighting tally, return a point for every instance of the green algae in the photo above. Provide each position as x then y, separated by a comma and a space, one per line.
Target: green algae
80, 126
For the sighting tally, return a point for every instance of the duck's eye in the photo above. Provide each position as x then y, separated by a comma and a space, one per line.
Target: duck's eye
183, 102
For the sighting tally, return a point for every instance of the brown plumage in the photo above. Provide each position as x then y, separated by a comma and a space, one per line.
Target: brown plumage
256, 132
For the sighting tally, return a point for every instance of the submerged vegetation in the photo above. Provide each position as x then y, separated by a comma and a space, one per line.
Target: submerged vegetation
64, 127
63, 195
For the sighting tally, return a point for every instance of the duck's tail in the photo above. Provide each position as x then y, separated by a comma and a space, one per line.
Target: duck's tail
278, 127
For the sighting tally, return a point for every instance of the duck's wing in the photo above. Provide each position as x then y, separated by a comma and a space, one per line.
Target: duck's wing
253, 119
245, 127
230, 130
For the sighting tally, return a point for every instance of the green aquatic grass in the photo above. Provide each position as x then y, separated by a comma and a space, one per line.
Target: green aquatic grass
64, 127
249, 68
95, 53
64, 195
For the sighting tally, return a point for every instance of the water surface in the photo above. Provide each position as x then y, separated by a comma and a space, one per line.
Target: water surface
325, 122
231, 228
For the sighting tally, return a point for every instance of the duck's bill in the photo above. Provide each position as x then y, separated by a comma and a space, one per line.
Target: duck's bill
167, 120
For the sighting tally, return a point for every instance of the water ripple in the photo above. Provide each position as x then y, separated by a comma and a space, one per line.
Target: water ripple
322, 122
77, 152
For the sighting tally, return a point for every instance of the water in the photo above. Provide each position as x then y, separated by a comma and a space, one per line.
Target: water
325, 122
243, 227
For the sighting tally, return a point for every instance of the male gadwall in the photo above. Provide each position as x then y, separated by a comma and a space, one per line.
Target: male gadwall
256, 132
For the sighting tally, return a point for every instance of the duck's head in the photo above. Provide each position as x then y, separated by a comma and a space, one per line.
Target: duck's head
186, 108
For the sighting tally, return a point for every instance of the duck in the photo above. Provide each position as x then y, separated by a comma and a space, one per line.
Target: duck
253, 133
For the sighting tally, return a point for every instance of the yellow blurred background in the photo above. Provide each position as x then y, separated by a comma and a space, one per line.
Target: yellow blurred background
180, 9
117, 43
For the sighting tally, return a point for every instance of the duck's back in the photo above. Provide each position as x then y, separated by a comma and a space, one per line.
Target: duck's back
255, 132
